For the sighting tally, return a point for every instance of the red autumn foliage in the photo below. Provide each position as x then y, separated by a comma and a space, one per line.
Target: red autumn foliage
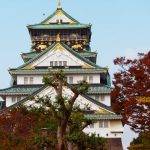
20, 129
131, 93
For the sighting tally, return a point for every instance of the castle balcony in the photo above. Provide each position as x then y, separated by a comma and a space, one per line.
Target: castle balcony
63, 38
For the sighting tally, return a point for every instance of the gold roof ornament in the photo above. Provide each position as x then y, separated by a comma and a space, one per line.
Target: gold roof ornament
77, 46
58, 39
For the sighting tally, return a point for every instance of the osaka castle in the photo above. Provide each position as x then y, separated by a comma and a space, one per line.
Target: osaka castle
60, 42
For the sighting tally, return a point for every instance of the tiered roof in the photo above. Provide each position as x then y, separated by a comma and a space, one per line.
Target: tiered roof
72, 51
29, 89
65, 21
28, 56
32, 56
59, 14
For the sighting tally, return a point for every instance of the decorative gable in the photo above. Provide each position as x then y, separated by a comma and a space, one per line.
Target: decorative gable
82, 101
59, 17
58, 55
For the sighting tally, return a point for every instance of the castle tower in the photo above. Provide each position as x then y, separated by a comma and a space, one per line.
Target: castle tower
62, 42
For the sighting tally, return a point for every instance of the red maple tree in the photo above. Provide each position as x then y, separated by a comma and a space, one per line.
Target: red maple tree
21, 129
131, 93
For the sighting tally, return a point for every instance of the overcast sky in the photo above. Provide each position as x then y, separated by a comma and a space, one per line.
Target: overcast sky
119, 28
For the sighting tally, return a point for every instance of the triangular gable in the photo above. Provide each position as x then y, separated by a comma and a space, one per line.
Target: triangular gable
58, 52
59, 16
81, 101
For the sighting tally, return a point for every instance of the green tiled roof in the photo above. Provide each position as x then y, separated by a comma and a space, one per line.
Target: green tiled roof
45, 25
58, 26
76, 54
29, 89
27, 56
44, 71
20, 90
31, 55
88, 54
42, 87
97, 89
103, 117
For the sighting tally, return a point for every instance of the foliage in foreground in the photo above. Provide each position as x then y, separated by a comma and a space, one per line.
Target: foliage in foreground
141, 142
23, 129
56, 123
131, 94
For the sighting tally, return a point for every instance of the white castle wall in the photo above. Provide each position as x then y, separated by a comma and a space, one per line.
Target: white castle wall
114, 125
106, 99
37, 79
9, 101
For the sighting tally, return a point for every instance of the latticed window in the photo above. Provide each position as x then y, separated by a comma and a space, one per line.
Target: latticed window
91, 125
103, 124
65, 63
56, 63
60, 63
13, 99
102, 97
18, 98
25, 80
31, 80
90, 79
85, 78
70, 80
97, 97
51, 63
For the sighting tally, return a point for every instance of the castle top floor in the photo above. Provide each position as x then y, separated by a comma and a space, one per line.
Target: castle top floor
60, 25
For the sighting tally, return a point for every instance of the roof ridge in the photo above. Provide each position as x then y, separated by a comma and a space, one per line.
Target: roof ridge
30, 52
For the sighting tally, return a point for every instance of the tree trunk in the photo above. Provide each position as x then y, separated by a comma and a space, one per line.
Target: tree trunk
61, 132
69, 146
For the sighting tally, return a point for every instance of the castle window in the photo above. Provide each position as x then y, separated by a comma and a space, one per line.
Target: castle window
51, 63
28, 80
90, 79
16, 99
91, 125
25, 80
84, 78
102, 98
60, 63
31, 80
65, 63
61, 21
70, 80
13, 99
57, 21
56, 63
97, 97
103, 124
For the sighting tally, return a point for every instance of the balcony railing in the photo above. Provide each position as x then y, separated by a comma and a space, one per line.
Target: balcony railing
63, 38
